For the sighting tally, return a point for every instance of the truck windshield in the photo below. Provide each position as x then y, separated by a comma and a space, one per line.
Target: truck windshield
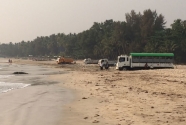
122, 59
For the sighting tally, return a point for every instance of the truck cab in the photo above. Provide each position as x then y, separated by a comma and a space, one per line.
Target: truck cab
123, 62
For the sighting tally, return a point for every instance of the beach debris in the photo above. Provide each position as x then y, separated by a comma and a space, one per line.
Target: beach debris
130, 88
96, 115
95, 121
86, 118
167, 112
20, 73
145, 91
84, 98
89, 82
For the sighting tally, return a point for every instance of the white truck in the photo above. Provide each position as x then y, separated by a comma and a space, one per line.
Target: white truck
90, 61
145, 60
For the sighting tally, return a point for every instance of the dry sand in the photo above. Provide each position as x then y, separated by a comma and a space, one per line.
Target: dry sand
111, 97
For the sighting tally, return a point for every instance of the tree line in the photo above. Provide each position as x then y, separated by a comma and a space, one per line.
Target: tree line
141, 32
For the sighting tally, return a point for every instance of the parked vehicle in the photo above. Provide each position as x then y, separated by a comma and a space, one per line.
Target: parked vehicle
63, 60
103, 63
145, 60
90, 61
112, 62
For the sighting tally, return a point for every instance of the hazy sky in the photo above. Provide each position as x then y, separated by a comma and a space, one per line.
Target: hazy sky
27, 19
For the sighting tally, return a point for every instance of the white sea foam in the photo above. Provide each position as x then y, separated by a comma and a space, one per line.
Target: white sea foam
9, 81
5, 87
5, 76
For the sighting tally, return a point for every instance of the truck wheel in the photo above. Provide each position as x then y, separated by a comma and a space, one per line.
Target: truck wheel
106, 67
124, 68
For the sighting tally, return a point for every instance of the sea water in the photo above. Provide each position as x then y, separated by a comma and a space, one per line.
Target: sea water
5, 77
7, 86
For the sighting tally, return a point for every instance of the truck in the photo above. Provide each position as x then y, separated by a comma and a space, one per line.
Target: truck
90, 61
145, 61
103, 63
63, 60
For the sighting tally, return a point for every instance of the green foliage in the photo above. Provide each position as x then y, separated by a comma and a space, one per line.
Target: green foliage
141, 32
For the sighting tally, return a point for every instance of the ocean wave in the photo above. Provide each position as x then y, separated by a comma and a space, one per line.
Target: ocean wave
5, 86
5, 76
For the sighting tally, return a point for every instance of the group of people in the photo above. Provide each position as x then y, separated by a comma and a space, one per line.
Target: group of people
10, 61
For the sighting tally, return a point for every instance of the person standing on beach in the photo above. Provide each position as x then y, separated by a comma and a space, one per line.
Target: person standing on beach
9, 60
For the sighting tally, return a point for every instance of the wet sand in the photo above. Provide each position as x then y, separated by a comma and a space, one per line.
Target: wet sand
41, 103
111, 97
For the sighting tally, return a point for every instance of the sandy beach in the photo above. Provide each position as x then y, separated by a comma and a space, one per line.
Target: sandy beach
84, 95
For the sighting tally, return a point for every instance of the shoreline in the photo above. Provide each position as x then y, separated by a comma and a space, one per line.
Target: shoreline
142, 97
40, 103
